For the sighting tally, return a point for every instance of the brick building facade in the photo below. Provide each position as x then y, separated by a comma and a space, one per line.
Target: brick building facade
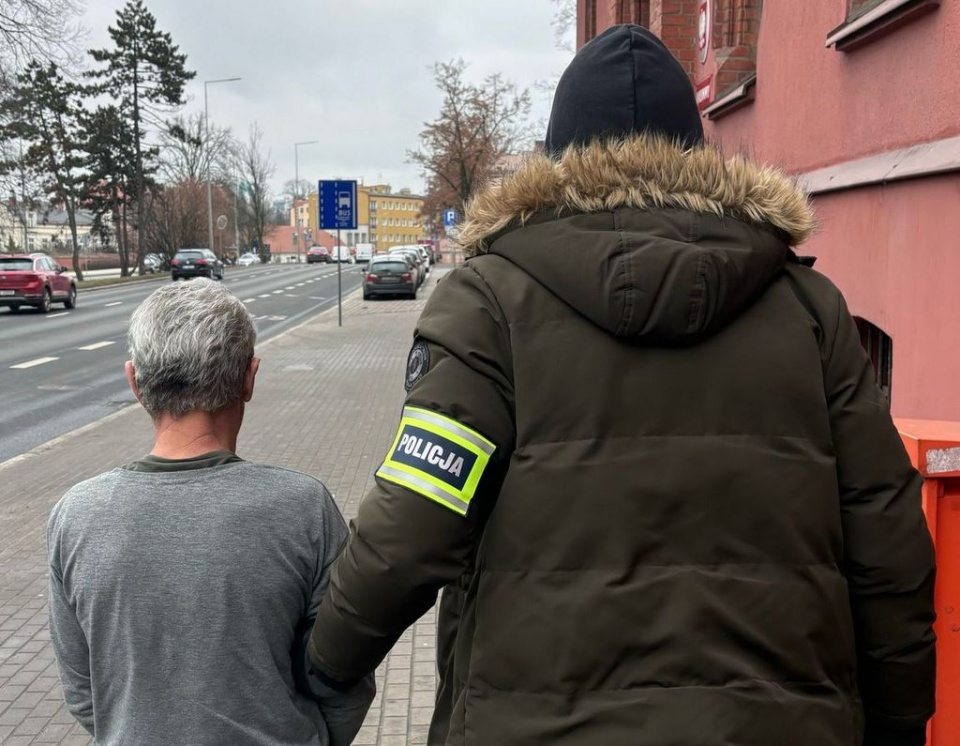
860, 100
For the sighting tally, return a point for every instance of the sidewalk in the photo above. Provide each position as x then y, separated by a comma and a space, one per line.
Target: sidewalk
327, 402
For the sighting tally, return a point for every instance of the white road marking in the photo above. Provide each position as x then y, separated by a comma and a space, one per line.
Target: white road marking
265, 295
300, 284
248, 300
290, 295
313, 297
57, 315
115, 303
289, 287
96, 346
277, 292
34, 363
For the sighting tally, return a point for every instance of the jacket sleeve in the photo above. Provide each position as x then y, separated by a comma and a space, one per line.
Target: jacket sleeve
888, 553
416, 530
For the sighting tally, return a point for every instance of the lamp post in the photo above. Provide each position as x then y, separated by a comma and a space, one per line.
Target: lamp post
296, 188
206, 137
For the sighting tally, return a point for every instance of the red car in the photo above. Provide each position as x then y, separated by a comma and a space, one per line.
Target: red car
34, 280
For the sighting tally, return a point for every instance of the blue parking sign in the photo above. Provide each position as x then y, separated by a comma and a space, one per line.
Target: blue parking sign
450, 217
338, 205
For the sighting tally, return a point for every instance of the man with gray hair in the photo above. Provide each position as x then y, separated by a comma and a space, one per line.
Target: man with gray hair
182, 585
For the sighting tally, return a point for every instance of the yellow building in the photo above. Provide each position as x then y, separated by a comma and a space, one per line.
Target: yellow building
393, 218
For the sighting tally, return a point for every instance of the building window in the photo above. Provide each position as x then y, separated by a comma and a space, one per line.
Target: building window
736, 31
634, 11
879, 347
867, 20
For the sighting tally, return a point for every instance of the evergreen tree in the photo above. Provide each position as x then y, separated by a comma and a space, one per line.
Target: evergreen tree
145, 74
111, 172
44, 110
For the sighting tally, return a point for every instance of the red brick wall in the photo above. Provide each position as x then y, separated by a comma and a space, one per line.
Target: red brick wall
736, 30
675, 22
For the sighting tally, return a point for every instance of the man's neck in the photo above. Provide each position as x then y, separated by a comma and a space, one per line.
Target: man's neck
195, 434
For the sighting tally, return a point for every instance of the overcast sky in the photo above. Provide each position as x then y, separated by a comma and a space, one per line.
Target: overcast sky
354, 75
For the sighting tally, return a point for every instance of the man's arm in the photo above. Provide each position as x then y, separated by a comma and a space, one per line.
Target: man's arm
70, 648
888, 553
416, 530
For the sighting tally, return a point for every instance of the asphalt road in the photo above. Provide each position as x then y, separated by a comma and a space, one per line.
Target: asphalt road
63, 370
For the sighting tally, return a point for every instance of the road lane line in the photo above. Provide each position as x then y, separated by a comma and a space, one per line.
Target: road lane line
313, 297
290, 295
96, 346
265, 295
300, 284
34, 363
115, 303
57, 315
248, 300
289, 287
277, 292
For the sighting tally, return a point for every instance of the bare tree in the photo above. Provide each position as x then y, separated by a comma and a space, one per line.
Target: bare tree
256, 169
564, 24
477, 124
189, 153
41, 30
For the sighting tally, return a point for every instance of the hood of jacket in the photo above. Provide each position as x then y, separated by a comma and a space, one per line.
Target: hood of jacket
649, 241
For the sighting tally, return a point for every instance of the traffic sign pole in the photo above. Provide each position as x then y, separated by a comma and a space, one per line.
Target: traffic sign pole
337, 205
339, 281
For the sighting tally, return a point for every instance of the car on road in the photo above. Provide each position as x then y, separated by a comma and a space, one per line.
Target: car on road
389, 275
363, 252
152, 263
246, 260
35, 280
318, 254
342, 254
196, 263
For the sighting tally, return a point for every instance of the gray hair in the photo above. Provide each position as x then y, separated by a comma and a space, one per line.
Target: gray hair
190, 344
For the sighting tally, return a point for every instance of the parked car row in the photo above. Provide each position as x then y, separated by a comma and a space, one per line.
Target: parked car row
35, 280
401, 271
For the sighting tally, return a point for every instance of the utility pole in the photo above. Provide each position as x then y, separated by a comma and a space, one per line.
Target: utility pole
206, 137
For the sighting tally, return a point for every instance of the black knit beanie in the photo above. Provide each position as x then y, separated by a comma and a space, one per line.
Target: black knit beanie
624, 81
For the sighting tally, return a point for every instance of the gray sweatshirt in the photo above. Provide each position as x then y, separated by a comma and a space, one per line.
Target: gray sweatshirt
174, 600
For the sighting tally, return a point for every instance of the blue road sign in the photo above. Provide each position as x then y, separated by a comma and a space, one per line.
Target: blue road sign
338, 205
450, 218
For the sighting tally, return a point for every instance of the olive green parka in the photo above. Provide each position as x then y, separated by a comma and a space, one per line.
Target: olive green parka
698, 525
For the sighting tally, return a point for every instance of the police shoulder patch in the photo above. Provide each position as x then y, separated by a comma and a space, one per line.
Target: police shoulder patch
437, 457
418, 363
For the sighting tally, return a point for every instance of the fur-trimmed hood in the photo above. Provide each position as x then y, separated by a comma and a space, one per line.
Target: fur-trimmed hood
649, 242
645, 173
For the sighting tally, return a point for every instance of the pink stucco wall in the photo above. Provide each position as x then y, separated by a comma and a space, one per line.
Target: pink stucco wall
894, 250
816, 107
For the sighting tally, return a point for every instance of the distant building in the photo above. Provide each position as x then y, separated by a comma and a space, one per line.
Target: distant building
45, 229
394, 216
859, 99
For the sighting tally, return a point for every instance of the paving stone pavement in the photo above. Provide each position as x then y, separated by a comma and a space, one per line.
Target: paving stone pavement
327, 402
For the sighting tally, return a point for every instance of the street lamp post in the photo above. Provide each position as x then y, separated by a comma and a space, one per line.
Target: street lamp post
206, 137
296, 189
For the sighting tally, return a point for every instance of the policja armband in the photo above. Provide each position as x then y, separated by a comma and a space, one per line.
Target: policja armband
437, 457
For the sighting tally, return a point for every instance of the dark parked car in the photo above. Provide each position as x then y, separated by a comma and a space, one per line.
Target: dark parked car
196, 263
389, 275
34, 280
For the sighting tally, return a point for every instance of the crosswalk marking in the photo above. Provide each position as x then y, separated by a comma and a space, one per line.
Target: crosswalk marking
34, 363
96, 346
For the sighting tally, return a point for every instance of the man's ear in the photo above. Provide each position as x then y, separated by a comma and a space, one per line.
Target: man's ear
249, 377
132, 379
